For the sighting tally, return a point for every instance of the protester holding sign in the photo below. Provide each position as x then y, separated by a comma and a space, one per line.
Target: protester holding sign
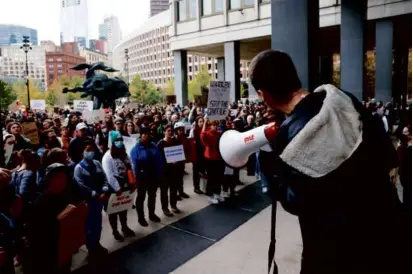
214, 164
43, 225
116, 164
171, 175
147, 167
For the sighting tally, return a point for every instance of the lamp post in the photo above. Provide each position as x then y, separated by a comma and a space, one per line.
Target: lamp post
127, 63
26, 48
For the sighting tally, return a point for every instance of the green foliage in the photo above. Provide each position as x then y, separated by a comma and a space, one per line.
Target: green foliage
51, 98
144, 91
20, 89
202, 79
169, 89
6, 95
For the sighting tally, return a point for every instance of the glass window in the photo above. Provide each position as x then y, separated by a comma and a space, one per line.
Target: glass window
192, 8
182, 10
235, 4
206, 7
218, 5
249, 2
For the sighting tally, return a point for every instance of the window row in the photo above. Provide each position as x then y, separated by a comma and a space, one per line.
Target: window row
187, 8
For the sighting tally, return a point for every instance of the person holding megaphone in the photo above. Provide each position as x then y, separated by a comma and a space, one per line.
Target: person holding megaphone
332, 163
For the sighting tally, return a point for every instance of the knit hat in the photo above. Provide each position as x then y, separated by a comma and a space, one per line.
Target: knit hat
113, 135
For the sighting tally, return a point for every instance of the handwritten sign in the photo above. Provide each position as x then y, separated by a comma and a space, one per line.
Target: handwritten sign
174, 154
31, 132
218, 100
121, 203
82, 105
129, 143
38, 104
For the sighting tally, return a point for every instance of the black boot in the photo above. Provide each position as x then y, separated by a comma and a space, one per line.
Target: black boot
184, 195
154, 218
117, 236
127, 232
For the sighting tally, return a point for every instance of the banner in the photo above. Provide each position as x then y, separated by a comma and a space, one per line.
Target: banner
82, 105
121, 203
218, 100
174, 154
38, 104
30, 131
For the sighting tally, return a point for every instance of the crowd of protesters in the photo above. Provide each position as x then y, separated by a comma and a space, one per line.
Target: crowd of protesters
78, 163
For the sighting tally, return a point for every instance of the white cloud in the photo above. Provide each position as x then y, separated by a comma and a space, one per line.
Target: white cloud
43, 15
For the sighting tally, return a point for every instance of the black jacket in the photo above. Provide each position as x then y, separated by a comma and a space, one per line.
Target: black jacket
350, 218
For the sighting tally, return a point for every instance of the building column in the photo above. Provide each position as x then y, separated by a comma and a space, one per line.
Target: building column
298, 37
181, 77
221, 68
401, 75
384, 60
232, 69
326, 68
352, 46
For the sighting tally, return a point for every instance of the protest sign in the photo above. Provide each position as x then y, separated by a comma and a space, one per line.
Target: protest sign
170, 99
30, 131
38, 104
174, 154
135, 136
82, 105
129, 143
218, 100
121, 203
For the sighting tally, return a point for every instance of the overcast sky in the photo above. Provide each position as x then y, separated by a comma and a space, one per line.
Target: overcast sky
43, 15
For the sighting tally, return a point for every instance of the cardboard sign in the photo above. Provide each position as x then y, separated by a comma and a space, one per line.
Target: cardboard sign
135, 136
121, 203
170, 99
129, 143
174, 154
82, 105
38, 104
31, 132
218, 100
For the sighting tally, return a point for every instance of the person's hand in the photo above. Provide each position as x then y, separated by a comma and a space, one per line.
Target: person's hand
103, 197
118, 193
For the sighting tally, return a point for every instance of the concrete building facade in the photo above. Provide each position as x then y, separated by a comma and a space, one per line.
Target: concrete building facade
58, 63
110, 31
310, 31
158, 6
13, 64
151, 57
92, 56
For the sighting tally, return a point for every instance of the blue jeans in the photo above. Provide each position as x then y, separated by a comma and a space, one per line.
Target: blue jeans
94, 224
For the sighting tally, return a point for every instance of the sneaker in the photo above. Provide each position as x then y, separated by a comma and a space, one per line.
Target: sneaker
117, 236
213, 200
154, 218
127, 232
143, 222
264, 189
198, 191
184, 195
225, 194
176, 210
167, 213
219, 198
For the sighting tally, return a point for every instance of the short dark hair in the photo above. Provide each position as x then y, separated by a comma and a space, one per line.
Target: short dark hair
273, 71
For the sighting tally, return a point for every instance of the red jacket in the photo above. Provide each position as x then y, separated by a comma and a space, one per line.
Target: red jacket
210, 141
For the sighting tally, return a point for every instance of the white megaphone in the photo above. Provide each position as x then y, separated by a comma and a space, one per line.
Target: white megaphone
235, 147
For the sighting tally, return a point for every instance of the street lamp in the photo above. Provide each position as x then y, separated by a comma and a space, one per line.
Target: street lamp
127, 63
26, 48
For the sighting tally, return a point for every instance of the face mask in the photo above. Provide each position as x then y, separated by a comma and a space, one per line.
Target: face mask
118, 144
89, 155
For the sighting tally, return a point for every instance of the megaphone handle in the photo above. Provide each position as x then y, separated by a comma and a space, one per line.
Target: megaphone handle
271, 131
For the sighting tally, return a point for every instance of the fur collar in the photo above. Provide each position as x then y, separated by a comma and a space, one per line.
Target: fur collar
328, 139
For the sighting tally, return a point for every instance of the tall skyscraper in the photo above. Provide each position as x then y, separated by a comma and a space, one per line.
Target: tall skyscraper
158, 6
74, 21
110, 31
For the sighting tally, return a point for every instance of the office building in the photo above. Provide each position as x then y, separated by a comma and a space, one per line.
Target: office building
59, 63
74, 21
110, 31
13, 34
92, 56
158, 6
13, 64
150, 55
48, 45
